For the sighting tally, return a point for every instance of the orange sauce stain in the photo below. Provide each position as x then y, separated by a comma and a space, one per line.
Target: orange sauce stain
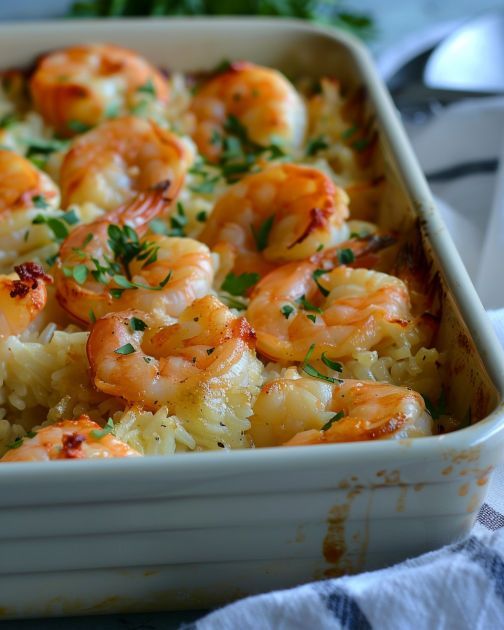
463, 490
447, 471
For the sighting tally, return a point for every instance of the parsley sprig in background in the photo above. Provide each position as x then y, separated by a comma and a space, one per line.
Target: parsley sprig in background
328, 12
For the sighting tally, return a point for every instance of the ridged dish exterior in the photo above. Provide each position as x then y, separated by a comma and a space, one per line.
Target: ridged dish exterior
200, 529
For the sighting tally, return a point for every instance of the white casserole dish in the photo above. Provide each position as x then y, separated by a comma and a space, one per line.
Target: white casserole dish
198, 530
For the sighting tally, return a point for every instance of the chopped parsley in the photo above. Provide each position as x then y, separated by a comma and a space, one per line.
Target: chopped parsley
137, 324
261, 235
178, 221
223, 66
148, 88
70, 217
50, 260
44, 146
39, 201
201, 216
333, 365
59, 229
348, 133
332, 420
308, 306
315, 145
97, 434
80, 273
238, 285
286, 310
210, 351
312, 318
92, 316
16, 444
112, 110
78, 126
158, 226
312, 371
8, 120
316, 275
126, 349
346, 256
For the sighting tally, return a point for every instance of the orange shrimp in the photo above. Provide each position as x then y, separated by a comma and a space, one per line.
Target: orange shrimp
69, 439
261, 99
80, 86
108, 165
23, 296
285, 212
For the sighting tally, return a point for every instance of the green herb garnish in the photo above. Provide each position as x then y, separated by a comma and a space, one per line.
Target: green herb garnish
39, 201
262, 234
333, 365
346, 256
238, 285
137, 324
97, 434
315, 145
148, 88
78, 126
332, 420
316, 275
308, 306
126, 349
286, 310
311, 371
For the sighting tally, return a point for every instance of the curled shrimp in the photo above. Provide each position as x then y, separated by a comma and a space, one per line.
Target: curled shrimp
285, 212
361, 410
85, 84
263, 101
338, 312
69, 439
23, 296
108, 165
110, 266
203, 367
24, 190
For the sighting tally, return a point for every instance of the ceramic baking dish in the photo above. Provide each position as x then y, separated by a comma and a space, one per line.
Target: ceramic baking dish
200, 529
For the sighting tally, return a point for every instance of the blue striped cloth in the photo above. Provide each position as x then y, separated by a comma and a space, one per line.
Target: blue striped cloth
460, 586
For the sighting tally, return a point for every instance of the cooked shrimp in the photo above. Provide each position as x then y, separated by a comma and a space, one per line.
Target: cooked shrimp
108, 266
69, 439
265, 103
24, 191
82, 85
285, 212
348, 310
295, 411
203, 367
108, 165
23, 295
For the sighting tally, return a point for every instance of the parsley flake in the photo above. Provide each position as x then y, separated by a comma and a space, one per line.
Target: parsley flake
312, 371
137, 324
286, 310
80, 273
316, 275
261, 235
126, 349
39, 201
148, 88
312, 318
315, 145
97, 434
58, 228
308, 306
238, 285
346, 256
92, 316
78, 126
333, 365
332, 420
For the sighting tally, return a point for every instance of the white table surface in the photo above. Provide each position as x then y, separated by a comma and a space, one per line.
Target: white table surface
395, 21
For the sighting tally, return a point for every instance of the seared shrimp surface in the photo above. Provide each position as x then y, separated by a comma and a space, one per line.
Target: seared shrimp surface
23, 295
110, 266
110, 164
83, 85
302, 411
264, 102
285, 212
203, 367
69, 439
340, 311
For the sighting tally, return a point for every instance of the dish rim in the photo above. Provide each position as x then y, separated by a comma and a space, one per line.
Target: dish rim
458, 284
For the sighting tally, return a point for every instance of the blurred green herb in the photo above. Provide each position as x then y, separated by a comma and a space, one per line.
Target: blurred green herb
332, 13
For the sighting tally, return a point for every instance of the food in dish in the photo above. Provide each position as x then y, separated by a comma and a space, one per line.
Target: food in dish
194, 262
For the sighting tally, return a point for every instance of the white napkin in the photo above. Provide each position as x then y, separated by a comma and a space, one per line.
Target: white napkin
460, 586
